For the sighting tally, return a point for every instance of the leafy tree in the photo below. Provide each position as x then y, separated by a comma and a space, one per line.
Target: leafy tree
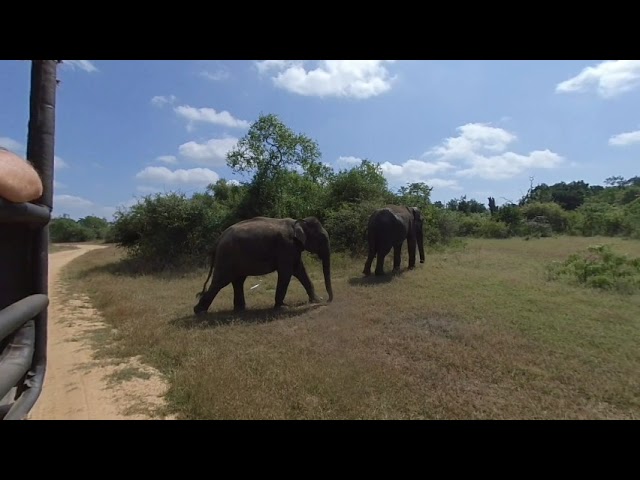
269, 150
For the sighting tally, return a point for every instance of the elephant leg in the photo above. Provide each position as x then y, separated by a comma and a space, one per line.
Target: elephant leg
397, 257
301, 274
411, 245
380, 263
367, 264
207, 298
238, 294
284, 277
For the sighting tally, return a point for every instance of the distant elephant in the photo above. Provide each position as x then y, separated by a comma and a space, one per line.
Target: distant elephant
388, 228
262, 245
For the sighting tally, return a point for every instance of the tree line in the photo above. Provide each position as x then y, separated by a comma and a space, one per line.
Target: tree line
288, 179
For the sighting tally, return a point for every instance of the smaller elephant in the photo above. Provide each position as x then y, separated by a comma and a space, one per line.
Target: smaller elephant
388, 228
262, 245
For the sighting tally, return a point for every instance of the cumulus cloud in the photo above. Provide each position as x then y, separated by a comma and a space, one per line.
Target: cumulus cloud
210, 115
624, 139
20, 149
193, 176
358, 79
11, 144
212, 152
85, 65
169, 159
416, 171
610, 78
483, 149
162, 100
78, 207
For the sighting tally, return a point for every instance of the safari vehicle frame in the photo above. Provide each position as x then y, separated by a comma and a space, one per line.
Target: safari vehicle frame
24, 260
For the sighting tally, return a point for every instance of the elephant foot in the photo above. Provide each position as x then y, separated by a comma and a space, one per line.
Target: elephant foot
421, 261
315, 299
239, 308
199, 310
379, 274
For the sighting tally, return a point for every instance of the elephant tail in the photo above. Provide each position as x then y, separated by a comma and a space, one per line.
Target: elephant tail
204, 287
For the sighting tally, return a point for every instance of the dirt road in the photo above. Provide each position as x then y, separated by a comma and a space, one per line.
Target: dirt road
76, 386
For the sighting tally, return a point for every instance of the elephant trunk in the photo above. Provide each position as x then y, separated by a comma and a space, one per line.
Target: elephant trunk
421, 246
326, 270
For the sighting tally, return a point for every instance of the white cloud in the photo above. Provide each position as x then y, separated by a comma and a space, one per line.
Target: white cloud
193, 176
358, 79
610, 78
483, 148
443, 183
212, 152
210, 115
11, 144
148, 189
169, 159
624, 139
21, 150
78, 207
59, 163
162, 100
413, 170
233, 181
85, 65
217, 76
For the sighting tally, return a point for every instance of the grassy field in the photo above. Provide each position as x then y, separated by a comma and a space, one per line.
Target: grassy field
474, 333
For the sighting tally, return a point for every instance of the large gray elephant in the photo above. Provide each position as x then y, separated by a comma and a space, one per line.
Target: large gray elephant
388, 228
262, 245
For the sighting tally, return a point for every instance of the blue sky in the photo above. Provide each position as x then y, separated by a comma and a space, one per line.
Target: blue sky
125, 128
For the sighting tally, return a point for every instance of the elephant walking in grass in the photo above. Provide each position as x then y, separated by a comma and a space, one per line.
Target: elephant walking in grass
388, 228
262, 245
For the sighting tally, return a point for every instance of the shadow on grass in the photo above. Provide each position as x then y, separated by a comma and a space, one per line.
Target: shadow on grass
134, 268
373, 279
248, 316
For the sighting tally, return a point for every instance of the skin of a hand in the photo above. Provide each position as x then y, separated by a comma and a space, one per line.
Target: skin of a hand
19, 181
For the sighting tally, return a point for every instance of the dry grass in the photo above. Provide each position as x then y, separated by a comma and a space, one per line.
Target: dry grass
61, 247
476, 333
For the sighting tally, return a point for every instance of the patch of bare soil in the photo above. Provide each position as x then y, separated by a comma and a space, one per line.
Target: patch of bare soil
77, 385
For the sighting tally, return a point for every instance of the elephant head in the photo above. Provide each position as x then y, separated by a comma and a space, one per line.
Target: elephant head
418, 220
311, 236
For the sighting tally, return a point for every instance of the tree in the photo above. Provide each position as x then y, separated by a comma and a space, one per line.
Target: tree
272, 151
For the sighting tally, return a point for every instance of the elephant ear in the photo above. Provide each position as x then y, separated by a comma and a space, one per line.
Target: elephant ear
298, 233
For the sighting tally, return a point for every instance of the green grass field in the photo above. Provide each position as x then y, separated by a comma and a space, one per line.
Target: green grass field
477, 332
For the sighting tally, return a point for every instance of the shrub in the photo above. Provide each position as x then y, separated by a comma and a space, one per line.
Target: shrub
170, 230
599, 267
557, 217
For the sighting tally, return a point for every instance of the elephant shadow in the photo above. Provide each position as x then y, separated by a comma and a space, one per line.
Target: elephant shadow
375, 279
249, 316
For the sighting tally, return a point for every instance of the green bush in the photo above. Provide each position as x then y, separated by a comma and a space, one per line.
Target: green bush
64, 229
552, 212
599, 267
170, 230
347, 227
493, 229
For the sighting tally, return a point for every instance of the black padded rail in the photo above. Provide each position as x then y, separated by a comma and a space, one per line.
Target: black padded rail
24, 260
23, 313
28, 213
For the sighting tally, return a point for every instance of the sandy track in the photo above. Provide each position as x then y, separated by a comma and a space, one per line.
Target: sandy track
76, 386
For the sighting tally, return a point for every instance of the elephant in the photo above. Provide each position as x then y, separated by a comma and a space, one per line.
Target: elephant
259, 246
388, 228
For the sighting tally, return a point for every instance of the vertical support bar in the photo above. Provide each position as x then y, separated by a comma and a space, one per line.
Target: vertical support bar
40, 152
